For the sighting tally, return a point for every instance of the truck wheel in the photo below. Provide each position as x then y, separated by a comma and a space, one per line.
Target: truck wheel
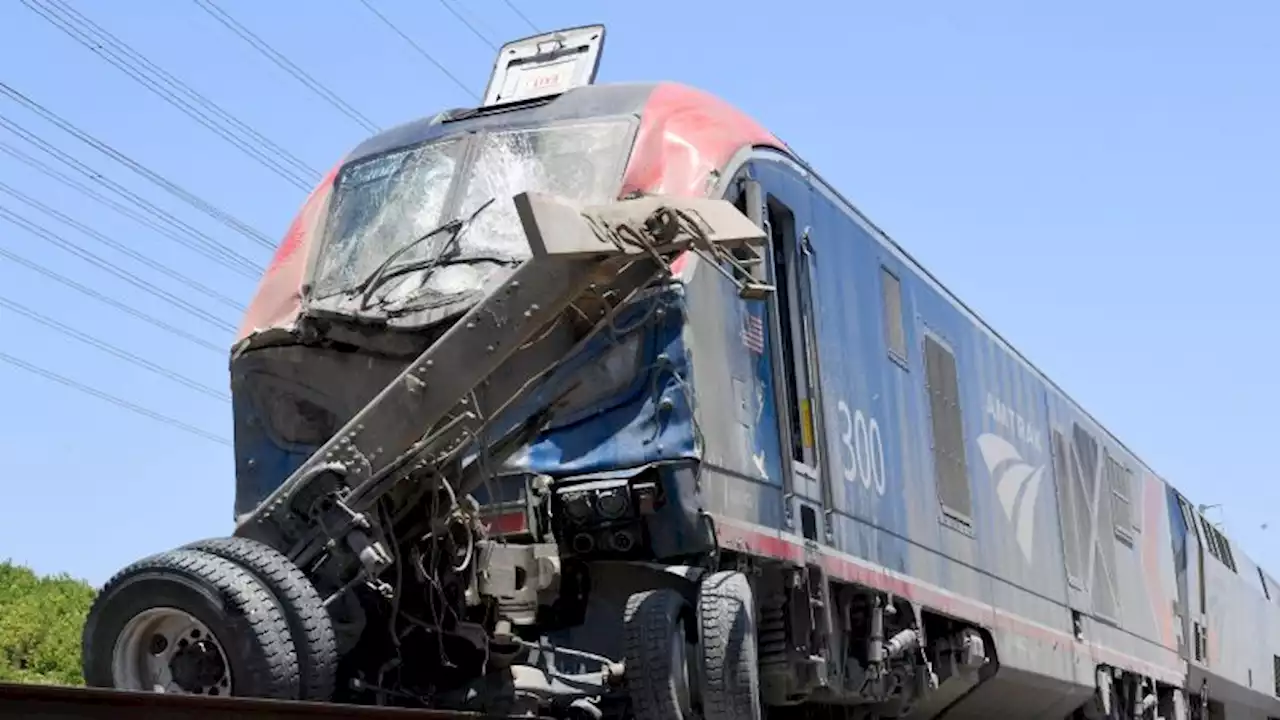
657, 669
187, 622
730, 673
309, 622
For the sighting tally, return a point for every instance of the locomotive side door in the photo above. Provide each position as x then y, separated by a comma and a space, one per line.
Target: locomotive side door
780, 203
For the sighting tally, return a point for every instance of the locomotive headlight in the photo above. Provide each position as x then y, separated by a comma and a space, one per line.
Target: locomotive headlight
612, 503
577, 506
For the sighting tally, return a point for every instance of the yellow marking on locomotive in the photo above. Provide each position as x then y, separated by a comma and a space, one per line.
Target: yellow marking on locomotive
806, 423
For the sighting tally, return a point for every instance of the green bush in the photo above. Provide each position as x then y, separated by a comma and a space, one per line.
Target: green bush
40, 623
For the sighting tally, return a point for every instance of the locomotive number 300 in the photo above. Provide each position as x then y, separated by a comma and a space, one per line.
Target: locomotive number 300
863, 449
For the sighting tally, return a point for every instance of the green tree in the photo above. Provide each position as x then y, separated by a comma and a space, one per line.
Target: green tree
40, 623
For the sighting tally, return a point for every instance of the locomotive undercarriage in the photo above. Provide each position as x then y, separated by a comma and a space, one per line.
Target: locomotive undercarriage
869, 653
1124, 695
564, 629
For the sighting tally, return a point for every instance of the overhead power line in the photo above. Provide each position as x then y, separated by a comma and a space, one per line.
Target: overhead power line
107, 300
286, 64
129, 61
117, 401
419, 48
111, 349
110, 267
522, 16
105, 40
122, 248
173, 228
472, 28
164, 183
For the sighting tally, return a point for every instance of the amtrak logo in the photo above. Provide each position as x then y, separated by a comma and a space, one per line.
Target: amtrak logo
1017, 486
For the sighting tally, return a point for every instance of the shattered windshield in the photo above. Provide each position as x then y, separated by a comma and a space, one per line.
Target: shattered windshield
402, 196
578, 162
380, 205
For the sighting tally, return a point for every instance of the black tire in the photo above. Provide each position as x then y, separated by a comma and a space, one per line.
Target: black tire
653, 622
730, 673
235, 607
309, 622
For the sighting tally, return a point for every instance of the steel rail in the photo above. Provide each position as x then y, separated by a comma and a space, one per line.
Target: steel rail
50, 702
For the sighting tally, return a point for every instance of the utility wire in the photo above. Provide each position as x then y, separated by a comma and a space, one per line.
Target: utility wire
522, 16
172, 188
113, 349
110, 267
417, 47
192, 242
209, 247
105, 36
121, 248
105, 39
111, 49
122, 307
472, 28
286, 64
117, 401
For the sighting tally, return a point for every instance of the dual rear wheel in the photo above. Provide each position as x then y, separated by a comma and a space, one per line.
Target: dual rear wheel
694, 660
226, 616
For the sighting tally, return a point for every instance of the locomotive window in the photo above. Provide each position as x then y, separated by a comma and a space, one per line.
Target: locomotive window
1218, 545
1210, 538
950, 465
581, 162
1187, 517
750, 267
895, 332
379, 206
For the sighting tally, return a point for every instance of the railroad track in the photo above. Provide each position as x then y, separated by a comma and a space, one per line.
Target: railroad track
68, 703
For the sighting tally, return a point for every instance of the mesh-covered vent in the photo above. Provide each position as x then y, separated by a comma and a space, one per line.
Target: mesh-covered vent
1224, 548
1075, 510
949, 459
1085, 496
1119, 481
1089, 457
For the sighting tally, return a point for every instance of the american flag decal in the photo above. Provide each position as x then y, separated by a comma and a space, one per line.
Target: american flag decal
753, 334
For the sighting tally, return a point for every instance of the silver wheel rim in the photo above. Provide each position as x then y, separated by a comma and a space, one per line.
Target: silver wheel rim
680, 670
167, 650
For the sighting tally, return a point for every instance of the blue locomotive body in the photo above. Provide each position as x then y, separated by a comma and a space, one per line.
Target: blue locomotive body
859, 423
919, 454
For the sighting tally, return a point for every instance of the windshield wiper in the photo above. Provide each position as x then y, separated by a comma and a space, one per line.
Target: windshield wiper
380, 276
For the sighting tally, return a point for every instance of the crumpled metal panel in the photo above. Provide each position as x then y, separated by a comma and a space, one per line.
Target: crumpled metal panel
648, 420
278, 300
687, 136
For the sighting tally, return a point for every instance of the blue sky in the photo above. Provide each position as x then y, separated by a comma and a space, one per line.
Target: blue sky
1097, 179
